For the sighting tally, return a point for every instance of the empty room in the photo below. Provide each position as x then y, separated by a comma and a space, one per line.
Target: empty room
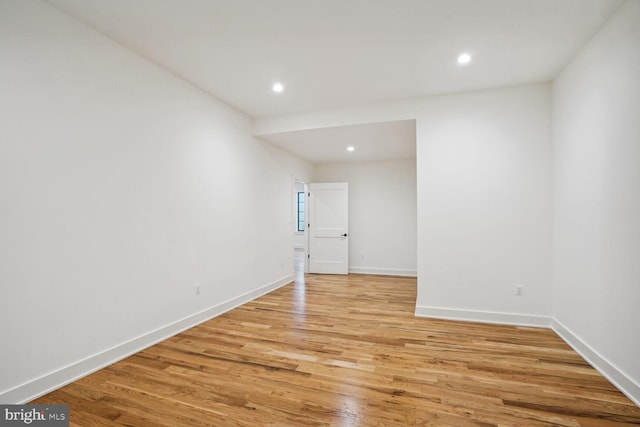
320, 213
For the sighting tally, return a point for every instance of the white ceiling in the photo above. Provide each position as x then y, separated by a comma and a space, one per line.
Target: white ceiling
375, 141
336, 53
341, 53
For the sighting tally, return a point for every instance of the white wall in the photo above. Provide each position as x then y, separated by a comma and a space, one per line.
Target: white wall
484, 198
121, 188
484, 205
596, 139
382, 214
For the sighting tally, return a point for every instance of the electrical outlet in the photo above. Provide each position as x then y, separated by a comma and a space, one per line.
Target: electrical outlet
519, 290
198, 289
361, 255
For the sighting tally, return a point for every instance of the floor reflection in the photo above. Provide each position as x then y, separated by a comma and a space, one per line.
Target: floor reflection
299, 290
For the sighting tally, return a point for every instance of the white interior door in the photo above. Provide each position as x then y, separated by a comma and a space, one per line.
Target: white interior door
329, 228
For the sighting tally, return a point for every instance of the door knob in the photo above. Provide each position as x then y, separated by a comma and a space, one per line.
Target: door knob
344, 235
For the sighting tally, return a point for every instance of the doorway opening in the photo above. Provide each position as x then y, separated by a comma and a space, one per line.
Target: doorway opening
300, 239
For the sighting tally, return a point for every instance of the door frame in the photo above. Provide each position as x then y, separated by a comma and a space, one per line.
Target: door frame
294, 222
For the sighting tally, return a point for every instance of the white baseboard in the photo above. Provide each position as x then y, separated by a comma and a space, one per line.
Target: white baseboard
384, 271
618, 378
74, 371
483, 316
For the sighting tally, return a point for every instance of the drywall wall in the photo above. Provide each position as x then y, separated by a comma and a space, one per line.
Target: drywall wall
484, 206
382, 214
484, 198
596, 111
123, 188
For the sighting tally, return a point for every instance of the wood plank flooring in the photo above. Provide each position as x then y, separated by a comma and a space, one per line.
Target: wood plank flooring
348, 351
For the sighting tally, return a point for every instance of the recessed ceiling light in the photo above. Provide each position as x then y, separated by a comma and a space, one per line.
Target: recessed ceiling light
464, 58
278, 87
351, 148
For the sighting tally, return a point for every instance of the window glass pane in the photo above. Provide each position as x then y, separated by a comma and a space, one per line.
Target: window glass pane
300, 211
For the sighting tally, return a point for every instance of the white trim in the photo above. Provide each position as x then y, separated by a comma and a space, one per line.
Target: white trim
65, 375
483, 316
617, 377
384, 271
74, 371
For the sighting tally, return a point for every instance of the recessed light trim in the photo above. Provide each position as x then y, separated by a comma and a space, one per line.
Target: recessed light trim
464, 58
277, 87
351, 148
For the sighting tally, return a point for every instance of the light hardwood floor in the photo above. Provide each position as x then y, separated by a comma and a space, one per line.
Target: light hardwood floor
348, 351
